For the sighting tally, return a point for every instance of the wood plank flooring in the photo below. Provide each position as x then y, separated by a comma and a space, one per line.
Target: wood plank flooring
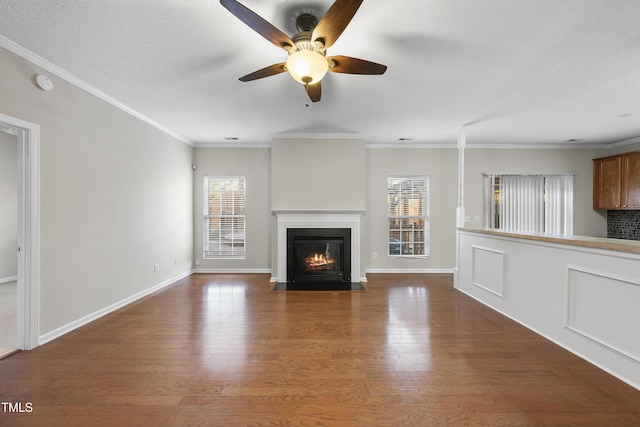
222, 350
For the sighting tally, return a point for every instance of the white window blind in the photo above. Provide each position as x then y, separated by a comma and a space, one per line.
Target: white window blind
558, 209
408, 216
224, 216
530, 203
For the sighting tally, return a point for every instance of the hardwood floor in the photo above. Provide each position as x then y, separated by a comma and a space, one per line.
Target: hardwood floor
224, 350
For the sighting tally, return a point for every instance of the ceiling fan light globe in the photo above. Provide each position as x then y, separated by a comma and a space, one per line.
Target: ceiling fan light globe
307, 64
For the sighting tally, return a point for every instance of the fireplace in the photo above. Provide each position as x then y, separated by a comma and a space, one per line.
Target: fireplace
318, 255
315, 219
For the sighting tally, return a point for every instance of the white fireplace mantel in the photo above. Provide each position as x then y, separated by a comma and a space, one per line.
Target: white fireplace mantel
290, 218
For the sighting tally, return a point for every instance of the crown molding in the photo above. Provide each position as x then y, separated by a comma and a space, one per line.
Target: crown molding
470, 146
26, 54
319, 135
402, 145
624, 142
232, 144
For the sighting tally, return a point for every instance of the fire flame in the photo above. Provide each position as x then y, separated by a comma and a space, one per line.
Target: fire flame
317, 261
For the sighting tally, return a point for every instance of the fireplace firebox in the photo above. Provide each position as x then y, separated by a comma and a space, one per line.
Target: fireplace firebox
318, 255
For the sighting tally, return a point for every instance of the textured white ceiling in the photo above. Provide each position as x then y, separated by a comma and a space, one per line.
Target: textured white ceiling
512, 71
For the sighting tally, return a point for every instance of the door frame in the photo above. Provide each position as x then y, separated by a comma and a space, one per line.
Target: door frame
28, 288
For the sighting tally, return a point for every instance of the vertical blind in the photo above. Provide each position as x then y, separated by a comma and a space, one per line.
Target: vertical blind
530, 203
558, 211
224, 216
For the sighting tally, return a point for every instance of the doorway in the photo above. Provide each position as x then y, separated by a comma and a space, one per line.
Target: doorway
8, 240
19, 222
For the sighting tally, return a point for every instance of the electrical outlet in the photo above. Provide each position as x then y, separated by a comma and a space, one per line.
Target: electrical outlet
374, 254
156, 267
175, 261
197, 261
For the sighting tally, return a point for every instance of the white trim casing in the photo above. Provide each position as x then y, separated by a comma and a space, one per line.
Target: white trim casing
28, 289
318, 219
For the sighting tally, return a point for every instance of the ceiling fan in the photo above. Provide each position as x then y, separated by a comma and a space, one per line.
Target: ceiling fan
307, 62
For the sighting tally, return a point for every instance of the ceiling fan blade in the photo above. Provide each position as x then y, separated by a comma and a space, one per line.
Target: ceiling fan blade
349, 65
271, 70
257, 23
335, 21
314, 91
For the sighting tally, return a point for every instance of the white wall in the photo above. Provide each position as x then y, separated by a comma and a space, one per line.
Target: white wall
116, 198
8, 206
253, 163
318, 174
441, 166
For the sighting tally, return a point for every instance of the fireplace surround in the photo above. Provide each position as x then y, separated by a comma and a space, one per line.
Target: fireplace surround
317, 219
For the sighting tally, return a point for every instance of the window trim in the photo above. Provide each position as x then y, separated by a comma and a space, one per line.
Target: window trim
425, 217
206, 252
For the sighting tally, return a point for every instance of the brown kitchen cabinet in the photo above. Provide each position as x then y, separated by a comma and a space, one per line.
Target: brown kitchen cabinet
616, 182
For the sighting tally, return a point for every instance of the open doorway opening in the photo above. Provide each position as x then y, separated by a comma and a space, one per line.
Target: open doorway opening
20, 230
8, 239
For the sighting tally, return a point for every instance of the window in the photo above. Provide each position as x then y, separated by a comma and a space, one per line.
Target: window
530, 203
408, 216
224, 216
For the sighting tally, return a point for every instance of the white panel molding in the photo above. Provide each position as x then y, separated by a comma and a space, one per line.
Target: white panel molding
571, 323
584, 355
491, 276
56, 333
602, 306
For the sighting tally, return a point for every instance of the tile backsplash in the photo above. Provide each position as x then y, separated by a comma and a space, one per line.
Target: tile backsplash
623, 225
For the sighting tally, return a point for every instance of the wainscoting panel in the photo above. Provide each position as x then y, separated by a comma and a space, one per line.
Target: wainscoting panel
488, 269
604, 308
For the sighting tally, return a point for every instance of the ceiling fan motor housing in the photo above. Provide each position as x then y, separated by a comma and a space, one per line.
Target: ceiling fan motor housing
306, 22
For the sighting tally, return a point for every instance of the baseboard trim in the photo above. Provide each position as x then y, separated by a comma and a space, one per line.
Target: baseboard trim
410, 270
232, 271
57, 333
8, 279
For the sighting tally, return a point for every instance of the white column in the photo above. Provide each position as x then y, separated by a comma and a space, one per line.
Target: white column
462, 142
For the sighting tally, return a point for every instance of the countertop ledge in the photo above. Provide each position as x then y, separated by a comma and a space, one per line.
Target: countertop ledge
630, 246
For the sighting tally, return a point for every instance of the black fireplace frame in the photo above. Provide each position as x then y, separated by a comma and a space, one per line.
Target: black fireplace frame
319, 234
